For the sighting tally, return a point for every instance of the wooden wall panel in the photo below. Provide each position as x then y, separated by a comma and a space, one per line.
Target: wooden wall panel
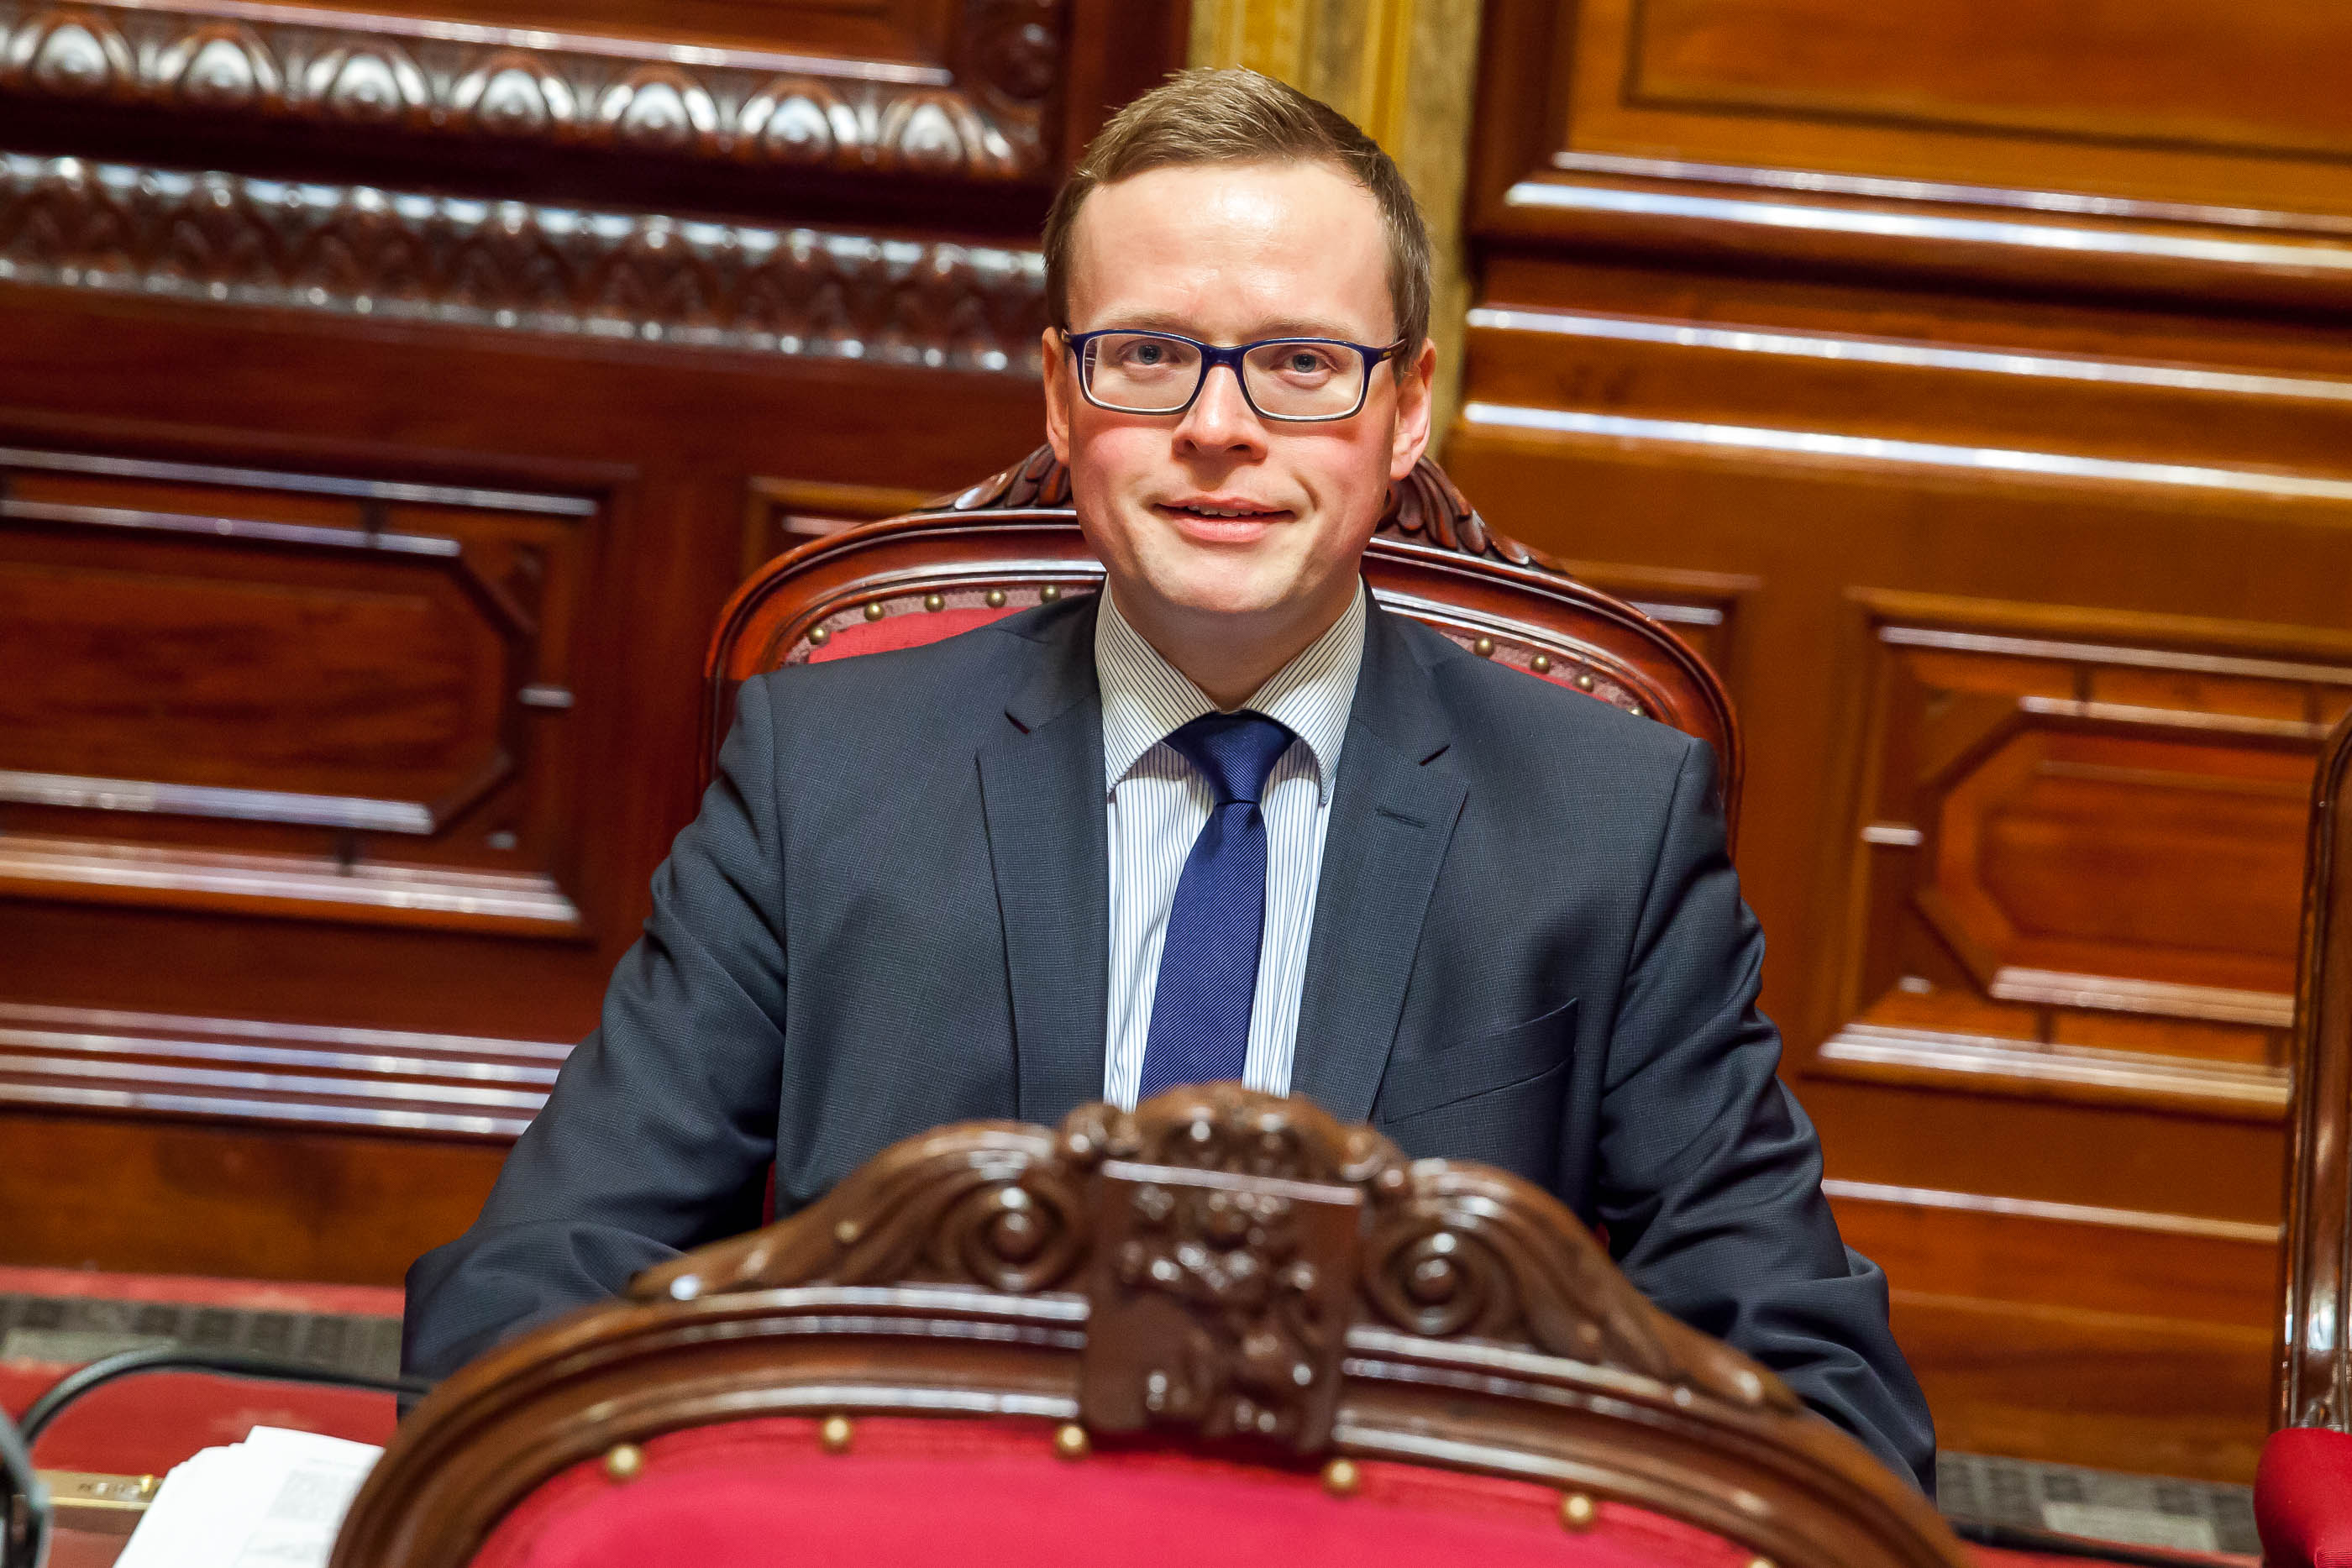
329, 700
1929, 325
2185, 102
388, 403
2251, 77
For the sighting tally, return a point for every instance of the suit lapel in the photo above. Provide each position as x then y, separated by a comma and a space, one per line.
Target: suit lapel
1393, 815
1042, 794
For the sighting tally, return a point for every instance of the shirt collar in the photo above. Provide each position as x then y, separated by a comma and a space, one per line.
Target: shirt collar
1144, 696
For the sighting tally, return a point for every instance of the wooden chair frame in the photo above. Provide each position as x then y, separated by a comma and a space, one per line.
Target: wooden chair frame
1014, 541
2313, 1381
1438, 1313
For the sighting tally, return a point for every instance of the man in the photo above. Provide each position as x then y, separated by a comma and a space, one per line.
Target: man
1227, 820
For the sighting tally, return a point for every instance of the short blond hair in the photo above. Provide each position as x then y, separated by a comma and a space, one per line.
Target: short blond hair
1237, 115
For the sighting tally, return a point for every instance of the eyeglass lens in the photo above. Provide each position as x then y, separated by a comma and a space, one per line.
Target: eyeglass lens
1143, 373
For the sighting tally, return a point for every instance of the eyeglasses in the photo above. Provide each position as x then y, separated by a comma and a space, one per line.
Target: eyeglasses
1281, 378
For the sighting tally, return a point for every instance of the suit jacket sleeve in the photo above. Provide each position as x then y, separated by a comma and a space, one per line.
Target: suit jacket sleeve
1710, 1175
662, 1123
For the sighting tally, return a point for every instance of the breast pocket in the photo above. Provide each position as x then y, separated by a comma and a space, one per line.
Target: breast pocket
1495, 1097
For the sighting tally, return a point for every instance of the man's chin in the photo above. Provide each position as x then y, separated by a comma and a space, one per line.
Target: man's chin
1225, 599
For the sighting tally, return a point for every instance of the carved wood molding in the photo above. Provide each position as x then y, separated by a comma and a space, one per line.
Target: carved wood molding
356, 251
1426, 508
646, 97
253, 1070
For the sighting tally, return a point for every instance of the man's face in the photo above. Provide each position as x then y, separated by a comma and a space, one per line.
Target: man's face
1216, 521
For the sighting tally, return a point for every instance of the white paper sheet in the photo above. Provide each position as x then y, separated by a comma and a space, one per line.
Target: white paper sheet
274, 1501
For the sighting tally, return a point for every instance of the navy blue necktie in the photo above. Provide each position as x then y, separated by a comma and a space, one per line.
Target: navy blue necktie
1207, 970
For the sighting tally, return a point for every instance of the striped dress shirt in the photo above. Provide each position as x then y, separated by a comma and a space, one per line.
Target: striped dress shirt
1159, 803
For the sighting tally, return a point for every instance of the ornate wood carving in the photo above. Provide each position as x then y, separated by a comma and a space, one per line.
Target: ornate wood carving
1448, 1251
1218, 1306
358, 251
992, 1269
515, 84
1426, 508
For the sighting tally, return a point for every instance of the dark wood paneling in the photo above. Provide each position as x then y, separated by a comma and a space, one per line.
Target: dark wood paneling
390, 400
2249, 77
196, 1197
2122, 1308
1920, 319
260, 426
779, 514
311, 691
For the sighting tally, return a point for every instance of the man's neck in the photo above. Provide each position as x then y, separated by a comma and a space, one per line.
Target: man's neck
1230, 658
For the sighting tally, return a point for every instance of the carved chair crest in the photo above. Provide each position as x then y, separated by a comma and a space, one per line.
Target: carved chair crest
1216, 1266
1226, 1241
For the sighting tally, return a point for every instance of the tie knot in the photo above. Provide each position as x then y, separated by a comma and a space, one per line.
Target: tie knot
1235, 752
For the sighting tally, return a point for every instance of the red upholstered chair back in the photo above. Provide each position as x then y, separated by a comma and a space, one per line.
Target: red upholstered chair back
1220, 1328
2314, 1386
1011, 542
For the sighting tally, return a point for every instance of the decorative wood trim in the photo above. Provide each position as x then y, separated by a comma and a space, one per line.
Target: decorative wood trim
291, 886
1902, 353
2039, 239
467, 496
2245, 1231
353, 811
2093, 1075
2214, 1004
361, 253
1781, 449
321, 66
370, 1080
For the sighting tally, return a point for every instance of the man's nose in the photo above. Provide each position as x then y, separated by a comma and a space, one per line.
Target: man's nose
1221, 419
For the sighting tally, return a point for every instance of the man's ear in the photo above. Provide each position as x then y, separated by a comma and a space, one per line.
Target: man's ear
1057, 393
1411, 435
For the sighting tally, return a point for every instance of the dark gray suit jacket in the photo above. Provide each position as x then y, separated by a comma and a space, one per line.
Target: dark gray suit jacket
1529, 949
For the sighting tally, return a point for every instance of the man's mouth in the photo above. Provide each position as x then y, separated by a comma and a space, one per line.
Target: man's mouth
1224, 511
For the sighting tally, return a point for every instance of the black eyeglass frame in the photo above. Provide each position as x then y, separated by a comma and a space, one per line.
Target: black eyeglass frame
1212, 356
